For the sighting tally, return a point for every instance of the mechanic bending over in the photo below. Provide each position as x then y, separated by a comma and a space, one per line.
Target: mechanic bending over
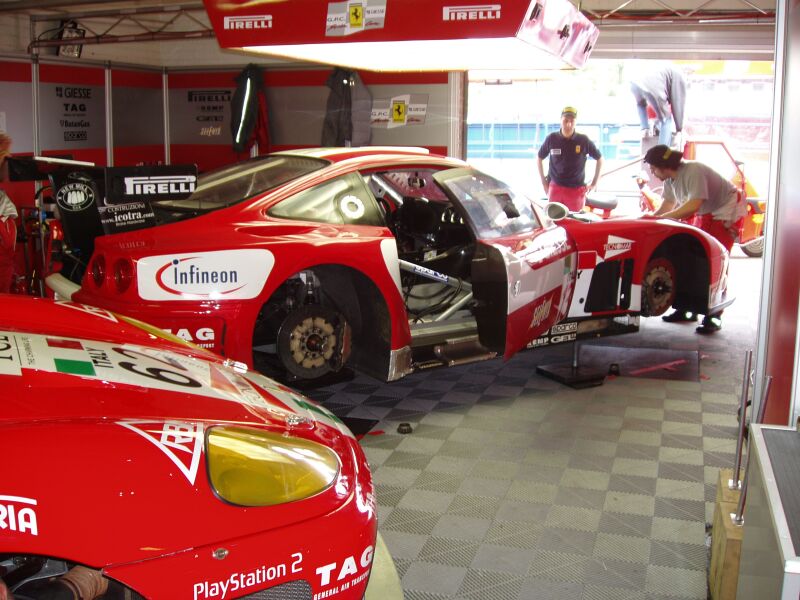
566, 169
79, 583
693, 189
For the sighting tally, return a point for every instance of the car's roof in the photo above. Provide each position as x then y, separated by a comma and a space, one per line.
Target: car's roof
340, 154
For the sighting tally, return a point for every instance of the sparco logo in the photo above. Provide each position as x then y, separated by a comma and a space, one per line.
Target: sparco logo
541, 312
162, 184
75, 197
17, 515
480, 12
248, 22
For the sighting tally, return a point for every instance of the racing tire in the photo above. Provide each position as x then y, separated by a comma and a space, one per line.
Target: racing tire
754, 248
313, 340
658, 287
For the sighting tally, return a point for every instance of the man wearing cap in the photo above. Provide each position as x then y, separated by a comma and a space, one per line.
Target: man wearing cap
693, 189
566, 172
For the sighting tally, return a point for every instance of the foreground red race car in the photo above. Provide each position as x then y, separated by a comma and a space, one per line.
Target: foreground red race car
173, 473
386, 260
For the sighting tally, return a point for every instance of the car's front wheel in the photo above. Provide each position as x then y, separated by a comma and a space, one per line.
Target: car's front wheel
313, 340
658, 287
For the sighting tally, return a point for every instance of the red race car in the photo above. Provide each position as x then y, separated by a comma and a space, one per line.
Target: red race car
387, 260
163, 471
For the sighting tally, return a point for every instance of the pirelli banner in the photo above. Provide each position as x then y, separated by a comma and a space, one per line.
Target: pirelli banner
131, 192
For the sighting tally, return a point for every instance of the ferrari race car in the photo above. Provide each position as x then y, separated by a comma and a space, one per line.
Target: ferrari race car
384, 259
172, 472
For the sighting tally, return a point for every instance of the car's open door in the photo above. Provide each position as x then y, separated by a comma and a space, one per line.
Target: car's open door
524, 267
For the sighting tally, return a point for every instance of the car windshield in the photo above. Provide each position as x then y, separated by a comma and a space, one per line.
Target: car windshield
232, 184
493, 208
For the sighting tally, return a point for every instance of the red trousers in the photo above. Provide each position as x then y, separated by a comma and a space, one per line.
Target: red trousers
717, 229
572, 198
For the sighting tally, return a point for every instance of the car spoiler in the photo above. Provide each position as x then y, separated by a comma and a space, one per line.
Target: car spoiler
93, 200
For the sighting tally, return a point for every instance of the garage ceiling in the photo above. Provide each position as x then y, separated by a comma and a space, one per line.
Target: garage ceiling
699, 29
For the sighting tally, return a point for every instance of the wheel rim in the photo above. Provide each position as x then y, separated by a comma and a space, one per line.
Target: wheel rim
658, 287
754, 248
310, 341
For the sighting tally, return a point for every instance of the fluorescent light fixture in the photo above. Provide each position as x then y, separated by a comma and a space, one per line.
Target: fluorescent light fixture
421, 55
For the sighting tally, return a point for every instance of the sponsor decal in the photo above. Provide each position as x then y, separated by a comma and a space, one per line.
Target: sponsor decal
220, 275
248, 579
75, 196
480, 12
73, 92
399, 111
541, 312
159, 184
76, 136
9, 355
347, 18
201, 334
616, 246
209, 96
345, 575
564, 328
352, 207
430, 273
248, 22
557, 339
101, 313
17, 514
181, 442
211, 131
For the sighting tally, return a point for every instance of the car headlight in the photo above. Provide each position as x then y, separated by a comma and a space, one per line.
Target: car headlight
250, 467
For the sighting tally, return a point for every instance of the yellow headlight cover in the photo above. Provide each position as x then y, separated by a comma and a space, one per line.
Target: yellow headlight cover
250, 467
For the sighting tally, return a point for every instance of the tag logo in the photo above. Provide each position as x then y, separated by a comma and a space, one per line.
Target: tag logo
479, 12
248, 22
75, 197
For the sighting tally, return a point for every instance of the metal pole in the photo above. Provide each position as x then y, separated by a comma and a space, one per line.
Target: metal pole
109, 118
165, 112
37, 151
735, 483
738, 517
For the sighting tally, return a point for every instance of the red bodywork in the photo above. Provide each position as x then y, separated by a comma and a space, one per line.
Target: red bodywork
526, 287
110, 464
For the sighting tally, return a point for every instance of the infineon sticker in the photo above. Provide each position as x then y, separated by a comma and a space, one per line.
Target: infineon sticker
219, 275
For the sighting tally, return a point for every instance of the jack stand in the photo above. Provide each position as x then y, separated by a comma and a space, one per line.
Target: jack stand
573, 374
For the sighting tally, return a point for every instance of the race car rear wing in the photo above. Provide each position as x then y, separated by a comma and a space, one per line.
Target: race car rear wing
93, 200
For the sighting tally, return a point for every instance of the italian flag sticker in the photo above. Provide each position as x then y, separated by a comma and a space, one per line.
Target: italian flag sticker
74, 367
69, 365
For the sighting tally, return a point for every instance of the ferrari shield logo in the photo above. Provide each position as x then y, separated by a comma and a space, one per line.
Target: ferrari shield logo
356, 15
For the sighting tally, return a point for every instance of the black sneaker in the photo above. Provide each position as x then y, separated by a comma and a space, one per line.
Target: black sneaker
680, 316
710, 325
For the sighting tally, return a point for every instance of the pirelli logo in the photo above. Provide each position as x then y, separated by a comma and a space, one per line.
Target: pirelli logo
157, 185
479, 12
248, 22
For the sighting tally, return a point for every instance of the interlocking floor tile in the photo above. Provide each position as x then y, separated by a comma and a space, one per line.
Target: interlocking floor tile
514, 486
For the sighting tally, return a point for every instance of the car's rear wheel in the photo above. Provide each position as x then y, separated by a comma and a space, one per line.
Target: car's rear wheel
755, 248
658, 287
313, 340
